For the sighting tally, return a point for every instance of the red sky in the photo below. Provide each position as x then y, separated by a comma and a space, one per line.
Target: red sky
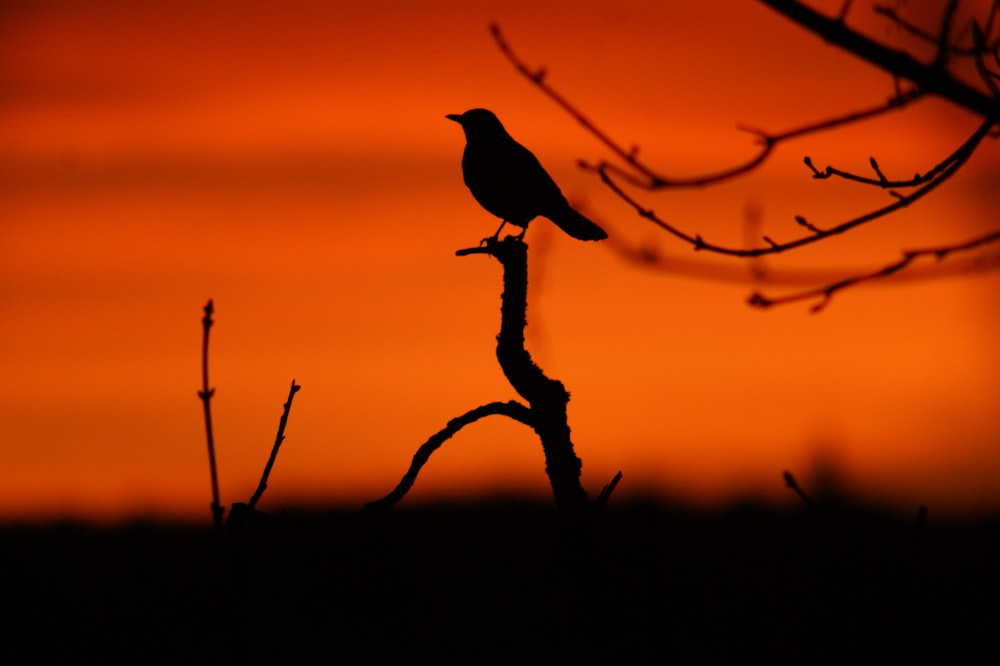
292, 162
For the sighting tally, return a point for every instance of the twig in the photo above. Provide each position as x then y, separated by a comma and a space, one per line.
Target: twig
206, 394
930, 79
958, 158
985, 74
651, 258
651, 179
538, 78
605, 495
827, 292
791, 483
927, 79
944, 35
881, 180
891, 14
262, 486
512, 409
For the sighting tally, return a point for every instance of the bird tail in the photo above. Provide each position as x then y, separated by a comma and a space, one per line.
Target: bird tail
577, 225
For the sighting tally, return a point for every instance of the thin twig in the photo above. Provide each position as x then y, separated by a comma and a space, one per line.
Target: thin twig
605, 495
512, 409
791, 483
651, 179
984, 73
901, 201
206, 394
537, 77
927, 79
684, 265
918, 32
262, 486
827, 292
930, 79
880, 180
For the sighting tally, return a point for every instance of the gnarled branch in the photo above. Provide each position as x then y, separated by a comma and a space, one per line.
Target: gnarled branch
512, 409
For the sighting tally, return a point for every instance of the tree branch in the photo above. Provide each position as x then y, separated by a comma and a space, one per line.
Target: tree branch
826, 293
548, 397
279, 438
649, 178
512, 409
953, 163
891, 14
206, 394
931, 79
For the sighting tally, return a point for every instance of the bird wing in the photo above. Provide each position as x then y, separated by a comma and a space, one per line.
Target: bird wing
509, 181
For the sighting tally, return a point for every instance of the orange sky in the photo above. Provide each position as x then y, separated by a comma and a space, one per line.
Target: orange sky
292, 162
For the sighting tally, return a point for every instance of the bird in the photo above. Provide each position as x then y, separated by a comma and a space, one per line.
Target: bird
509, 181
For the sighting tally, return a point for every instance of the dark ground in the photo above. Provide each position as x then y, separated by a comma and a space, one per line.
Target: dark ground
507, 584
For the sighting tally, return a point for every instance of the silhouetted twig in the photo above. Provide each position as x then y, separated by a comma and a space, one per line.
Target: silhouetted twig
826, 292
653, 180
793, 484
262, 486
989, 78
929, 78
940, 40
651, 257
206, 394
605, 495
512, 409
933, 78
952, 164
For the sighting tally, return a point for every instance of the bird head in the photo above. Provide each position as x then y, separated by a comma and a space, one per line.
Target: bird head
478, 121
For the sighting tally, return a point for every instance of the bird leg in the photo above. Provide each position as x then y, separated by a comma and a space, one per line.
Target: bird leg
494, 237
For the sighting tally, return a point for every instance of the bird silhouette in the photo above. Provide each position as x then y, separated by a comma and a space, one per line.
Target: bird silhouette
509, 181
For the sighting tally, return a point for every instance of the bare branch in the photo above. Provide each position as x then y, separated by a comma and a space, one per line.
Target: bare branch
537, 77
954, 162
512, 409
825, 294
989, 78
206, 394
933, 78
750, 274
944, 35
918, 32
649, 178
287, 408
881, 180
605, 495
790, 482
928, 78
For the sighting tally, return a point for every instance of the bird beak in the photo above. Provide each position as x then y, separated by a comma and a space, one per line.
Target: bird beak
457, 117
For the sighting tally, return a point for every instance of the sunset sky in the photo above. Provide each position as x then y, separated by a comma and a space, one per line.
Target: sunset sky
291, 161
